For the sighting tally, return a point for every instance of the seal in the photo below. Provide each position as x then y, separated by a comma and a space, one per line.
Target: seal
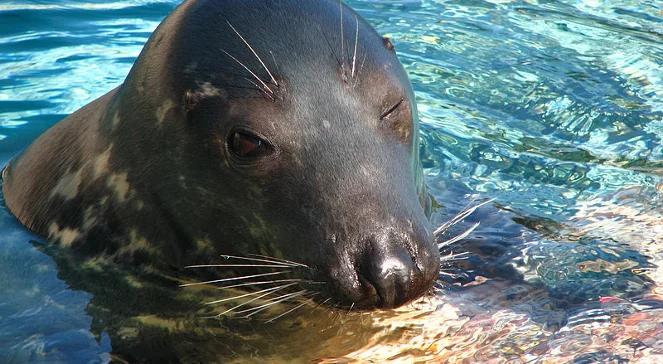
278, 128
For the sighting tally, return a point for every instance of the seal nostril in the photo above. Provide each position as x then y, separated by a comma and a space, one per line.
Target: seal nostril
380, 291
373, 295
386, 278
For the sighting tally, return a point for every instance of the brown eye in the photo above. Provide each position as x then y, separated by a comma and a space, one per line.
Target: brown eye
246, 145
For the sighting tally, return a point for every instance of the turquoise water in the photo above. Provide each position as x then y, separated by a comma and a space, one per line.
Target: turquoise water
553, 108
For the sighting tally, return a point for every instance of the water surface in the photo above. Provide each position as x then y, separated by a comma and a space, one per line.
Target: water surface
553, 108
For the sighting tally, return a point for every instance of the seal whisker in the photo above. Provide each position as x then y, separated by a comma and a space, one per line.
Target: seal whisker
237, 265
254, 53
459, 217
340, 7
264, 260
349, 310
257, 87
454, 257
249, 294
354, 56
233, 279
454, 275
274, 60
458, 237
285, 261
320, 304
285, 313
271, 299
264, 282
249, 301
285, 297
361, 67
331, 49
249, 70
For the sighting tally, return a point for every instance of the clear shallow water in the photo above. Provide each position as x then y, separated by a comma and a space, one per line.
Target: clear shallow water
555, 109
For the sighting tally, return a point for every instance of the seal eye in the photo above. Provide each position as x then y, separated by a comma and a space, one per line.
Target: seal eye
247, 145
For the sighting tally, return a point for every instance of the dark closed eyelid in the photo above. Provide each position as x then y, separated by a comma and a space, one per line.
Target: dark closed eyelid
392, 109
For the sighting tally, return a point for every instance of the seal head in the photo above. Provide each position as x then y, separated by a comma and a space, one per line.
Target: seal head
283, 128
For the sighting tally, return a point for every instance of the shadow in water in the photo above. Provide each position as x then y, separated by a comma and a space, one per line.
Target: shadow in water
150, 318
534, 265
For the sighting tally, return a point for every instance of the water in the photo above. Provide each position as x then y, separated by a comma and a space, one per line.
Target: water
553, 108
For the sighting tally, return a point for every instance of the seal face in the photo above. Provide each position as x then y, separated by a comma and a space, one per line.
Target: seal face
282, 128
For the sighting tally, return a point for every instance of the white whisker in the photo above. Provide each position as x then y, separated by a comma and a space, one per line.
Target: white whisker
260, 260
354, 56
458, 237
249, 70
361, 67
262, 282
237, 265
249, 301
267, 305
459, 217
254, 53
279, 260
340, 6
285, 313
275, 63
454, 275
320, 304
233, 279
453, 257
249, 294
259, 88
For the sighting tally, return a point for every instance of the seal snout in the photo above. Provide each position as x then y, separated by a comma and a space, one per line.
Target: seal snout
388, 278
392, 272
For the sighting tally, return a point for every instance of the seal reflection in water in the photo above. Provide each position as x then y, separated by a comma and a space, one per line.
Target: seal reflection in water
283, 129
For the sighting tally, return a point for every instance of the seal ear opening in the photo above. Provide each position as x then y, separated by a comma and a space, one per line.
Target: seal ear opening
191, 100
387, 43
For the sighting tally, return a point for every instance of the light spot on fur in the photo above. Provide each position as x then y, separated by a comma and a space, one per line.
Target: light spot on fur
119, 184
116, 120
182, 180
205, 245
89, 218
65, 236
163, 110
67, 186
101, 163
133, 281
207, 89
137, 242
97, 263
